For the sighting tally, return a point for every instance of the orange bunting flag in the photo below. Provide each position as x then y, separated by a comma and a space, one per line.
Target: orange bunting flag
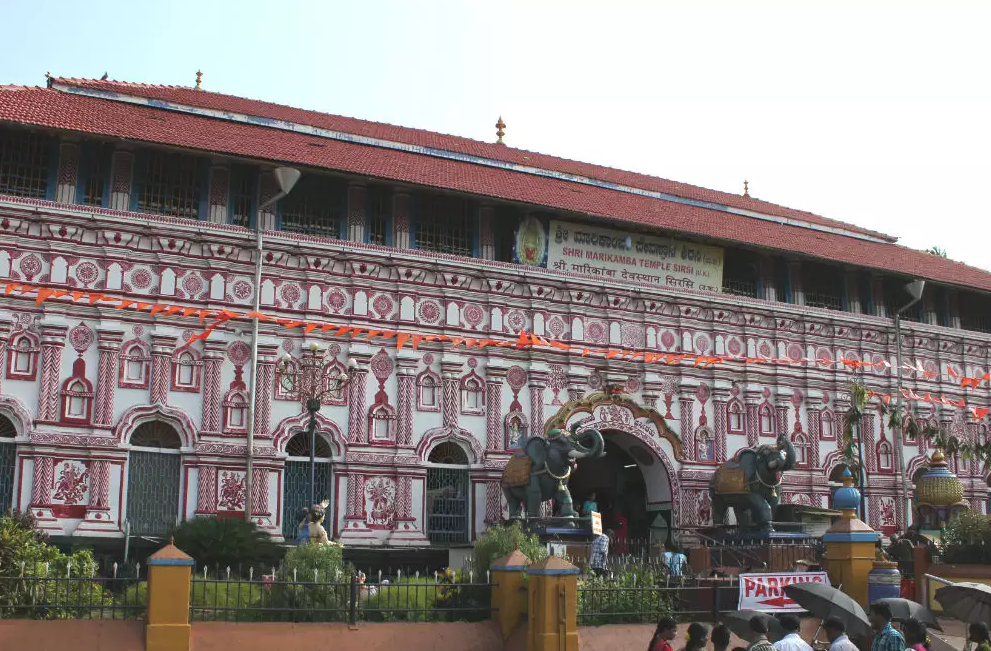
190, 311
327, 326
388, 334
77, 295
143, 306
172, 309
456, 341
59, 293
343, 330
523, 340
356, 332
126, 303
96, 298
470, 342
612, 353
258, 315
203, 314
979, 412
373, 333
310, 327
43, 295
401, 339
10, 288
155, 309
416, 341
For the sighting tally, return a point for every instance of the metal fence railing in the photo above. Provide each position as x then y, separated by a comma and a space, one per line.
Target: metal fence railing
645, 598
42, 593
290, 597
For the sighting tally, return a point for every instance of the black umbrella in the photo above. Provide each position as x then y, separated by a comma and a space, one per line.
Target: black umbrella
968, 602
903, 610
738, 621
825, 601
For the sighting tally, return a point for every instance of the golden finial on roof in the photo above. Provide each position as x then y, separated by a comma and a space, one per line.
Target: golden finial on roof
199, 79
500, 126
746, 188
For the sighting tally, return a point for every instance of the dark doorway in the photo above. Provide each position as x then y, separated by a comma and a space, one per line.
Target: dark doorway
621, 493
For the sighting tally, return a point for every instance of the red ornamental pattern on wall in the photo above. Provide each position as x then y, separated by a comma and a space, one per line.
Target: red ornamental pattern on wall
380, 502
231, 491
71, 486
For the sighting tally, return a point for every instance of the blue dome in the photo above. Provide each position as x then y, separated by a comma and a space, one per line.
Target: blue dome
848, 497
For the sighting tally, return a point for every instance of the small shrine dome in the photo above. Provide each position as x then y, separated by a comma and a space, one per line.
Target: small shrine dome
848, 497
939, 487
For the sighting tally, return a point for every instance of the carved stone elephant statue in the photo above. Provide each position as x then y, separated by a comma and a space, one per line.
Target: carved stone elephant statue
541, 473
748, 483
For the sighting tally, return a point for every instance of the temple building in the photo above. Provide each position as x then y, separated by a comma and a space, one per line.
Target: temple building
123, 422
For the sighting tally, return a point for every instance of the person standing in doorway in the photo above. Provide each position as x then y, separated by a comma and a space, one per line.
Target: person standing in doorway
589, 506
791, 641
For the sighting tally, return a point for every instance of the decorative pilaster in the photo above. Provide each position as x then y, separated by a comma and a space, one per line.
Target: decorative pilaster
814, 411
867, 426
406, 385
206, 490
162, 347
68, 172
109, 342
220, 192
781, 416
686, 416
753, 418
404, 499
98, 521
494, 439
357, 409
486, 233
259, 492
44, 477
120, 187
493, 502
576, 385
4, 339
356, 212
52, 344
264, 386
450, 393
538, 382
400, 219
719, 425
213, 395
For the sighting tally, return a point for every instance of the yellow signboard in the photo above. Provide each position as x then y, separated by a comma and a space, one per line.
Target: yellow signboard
626, 257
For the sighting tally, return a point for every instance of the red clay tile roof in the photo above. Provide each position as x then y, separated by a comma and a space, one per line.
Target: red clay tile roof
58, 110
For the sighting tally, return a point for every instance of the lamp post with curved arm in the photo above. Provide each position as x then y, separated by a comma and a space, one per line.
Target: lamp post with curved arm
312, 382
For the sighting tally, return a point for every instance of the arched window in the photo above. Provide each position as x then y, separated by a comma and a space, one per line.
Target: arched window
235, 411
516, 427
135, 366
22, 357
153, 479
766, 420
706, 446
801, 445
299, 446
885, 460
472, 396
77, 400
381, 424
186, 371
735, 418
296, 480
448, 494
428, 391
828, 429
331, 379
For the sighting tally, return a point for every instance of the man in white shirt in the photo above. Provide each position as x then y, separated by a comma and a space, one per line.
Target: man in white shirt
836, 632
791, 641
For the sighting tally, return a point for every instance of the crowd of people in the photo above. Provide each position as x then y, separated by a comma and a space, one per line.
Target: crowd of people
913, 635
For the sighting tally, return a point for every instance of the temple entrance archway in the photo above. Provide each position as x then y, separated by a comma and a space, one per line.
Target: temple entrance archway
154, 467
636, 483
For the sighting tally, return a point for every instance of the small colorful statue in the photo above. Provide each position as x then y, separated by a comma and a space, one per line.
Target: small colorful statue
318, 535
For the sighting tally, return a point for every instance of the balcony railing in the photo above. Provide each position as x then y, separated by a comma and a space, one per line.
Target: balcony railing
739, 288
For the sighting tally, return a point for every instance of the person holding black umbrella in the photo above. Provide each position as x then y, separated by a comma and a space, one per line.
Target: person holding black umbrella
836, 634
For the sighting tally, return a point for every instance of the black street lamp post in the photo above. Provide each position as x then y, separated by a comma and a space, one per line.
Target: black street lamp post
312, 381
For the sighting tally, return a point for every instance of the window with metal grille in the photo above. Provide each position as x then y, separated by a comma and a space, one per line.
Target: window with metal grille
299, 446
25, 160
156, 434
378, 215
169, 184
444, 224
447, 493
95, 173
242, 200
8, 458
314, 207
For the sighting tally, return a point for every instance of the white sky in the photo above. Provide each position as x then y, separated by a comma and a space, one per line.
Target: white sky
875, 113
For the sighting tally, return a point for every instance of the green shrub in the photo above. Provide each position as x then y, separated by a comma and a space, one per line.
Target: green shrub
635, 596
499, 541
221, 543
410, 599
311, 585
967, 539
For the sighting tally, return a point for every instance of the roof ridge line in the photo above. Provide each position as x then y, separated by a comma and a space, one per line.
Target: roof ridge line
600, 172
331, 134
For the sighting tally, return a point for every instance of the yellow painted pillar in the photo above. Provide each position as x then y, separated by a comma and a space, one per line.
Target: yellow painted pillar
169, 575
850, 545
553, 596
509, 596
